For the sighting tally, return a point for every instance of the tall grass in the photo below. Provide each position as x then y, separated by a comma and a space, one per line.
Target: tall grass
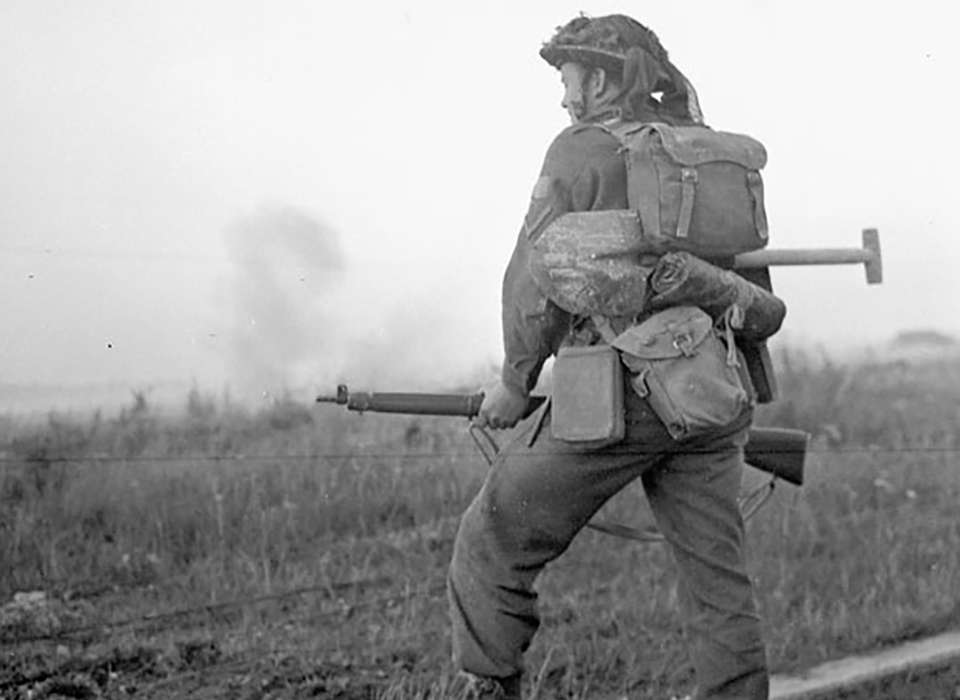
143, 496
221, 501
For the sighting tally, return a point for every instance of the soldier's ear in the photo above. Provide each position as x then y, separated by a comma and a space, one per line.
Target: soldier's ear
598, 81
602, 84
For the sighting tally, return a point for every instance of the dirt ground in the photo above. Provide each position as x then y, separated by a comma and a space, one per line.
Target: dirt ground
190, 671
199, 670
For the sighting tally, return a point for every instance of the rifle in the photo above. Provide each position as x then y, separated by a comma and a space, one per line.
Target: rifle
777, 451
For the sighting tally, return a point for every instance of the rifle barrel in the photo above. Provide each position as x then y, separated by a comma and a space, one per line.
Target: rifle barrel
466, 405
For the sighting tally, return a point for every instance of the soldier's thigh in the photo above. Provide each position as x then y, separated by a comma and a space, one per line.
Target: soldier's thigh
549, 483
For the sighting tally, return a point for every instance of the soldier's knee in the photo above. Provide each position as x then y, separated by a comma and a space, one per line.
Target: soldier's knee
504, 529
469, 534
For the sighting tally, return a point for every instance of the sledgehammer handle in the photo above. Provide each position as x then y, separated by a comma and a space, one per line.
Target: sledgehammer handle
869, 256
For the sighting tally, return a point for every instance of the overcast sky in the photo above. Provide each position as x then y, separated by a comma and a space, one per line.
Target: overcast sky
276, 193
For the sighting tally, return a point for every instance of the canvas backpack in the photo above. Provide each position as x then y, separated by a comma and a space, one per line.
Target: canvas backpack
690, 189
695, 189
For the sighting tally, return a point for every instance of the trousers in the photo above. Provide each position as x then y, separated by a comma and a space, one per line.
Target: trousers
541, 491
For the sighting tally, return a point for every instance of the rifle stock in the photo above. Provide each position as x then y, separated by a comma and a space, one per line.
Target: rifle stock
778, 451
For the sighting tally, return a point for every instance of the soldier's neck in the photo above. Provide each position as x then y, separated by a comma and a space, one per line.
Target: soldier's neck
602, 115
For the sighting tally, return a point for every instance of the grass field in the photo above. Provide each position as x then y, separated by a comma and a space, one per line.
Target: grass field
300, 551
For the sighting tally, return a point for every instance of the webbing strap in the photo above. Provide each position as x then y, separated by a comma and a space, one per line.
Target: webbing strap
689, 178
755, 185
604, 328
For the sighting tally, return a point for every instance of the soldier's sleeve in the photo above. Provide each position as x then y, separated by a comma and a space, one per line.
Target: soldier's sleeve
582, 171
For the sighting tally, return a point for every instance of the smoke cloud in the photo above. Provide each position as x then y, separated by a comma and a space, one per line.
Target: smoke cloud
302, 319
285, 262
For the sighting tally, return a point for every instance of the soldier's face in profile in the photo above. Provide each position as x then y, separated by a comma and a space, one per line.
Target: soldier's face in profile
573, 76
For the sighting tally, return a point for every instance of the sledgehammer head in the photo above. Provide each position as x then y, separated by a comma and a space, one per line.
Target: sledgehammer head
873, 262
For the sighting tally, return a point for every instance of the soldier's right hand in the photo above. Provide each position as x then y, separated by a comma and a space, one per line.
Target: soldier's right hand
502, 407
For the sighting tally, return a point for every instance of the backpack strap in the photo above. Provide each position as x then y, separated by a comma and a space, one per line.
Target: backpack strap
755, 185
688, 176
619, 129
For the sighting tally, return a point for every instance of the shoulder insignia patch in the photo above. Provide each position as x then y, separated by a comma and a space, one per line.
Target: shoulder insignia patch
542, 187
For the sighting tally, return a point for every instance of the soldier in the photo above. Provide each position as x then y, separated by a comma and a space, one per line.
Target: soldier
541, 491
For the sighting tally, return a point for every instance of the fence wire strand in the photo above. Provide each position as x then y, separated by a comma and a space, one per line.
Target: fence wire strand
408, 456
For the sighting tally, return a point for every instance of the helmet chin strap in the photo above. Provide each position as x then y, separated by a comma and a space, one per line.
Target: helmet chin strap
604, 109
577, 110
591, 105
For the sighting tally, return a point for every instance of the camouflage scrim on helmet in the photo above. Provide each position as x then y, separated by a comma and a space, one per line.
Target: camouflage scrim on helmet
600, 41
634, 55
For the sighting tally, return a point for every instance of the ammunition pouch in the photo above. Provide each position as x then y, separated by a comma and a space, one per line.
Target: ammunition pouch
689, 372
587, 404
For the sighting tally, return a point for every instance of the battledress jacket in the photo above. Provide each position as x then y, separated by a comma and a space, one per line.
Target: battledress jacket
583, 170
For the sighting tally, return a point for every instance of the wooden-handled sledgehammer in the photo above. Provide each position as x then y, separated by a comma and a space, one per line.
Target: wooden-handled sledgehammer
868, 255
618, 233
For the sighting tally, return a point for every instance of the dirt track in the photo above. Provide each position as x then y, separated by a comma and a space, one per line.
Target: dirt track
199, 671
930, 683
921, 668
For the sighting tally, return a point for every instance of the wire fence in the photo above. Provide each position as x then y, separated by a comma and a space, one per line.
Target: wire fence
333, 590
416, 456
752, 502
345, 598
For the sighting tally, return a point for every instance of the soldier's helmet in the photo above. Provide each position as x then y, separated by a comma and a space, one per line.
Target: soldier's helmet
600, 41
634, 55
